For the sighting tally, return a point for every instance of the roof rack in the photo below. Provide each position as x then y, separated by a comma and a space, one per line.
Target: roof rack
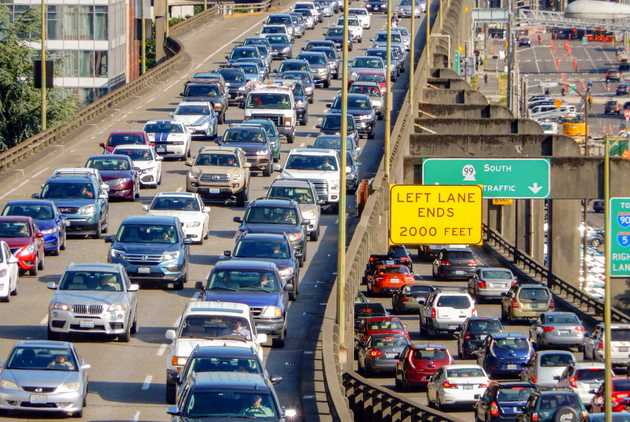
450, 289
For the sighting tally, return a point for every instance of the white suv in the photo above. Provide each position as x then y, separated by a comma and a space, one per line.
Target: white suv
446, 309
619, 343
209, 324
583, 377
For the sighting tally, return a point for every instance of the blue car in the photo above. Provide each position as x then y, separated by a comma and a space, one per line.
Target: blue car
152, 249
256, 284
503, 401
48, 218
504, 354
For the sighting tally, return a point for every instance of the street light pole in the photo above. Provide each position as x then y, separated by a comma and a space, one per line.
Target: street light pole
411, 53
388, 92
43, 57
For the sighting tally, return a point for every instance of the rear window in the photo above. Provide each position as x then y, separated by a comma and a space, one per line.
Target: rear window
497, 274
430, 354
418, 291
456, 302
563, 319
595, 374
385, 325
369, 309
393, 270
620, 334
511, 344
482, 326
556, 401
534, 295
465, 373
515, 393
555, 360
622, 384
390, 340
459, 256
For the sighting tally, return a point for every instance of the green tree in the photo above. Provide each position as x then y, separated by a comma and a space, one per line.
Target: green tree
20, 102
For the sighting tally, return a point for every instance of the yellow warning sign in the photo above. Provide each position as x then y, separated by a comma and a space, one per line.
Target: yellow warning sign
435, 214
502, 201
557, 103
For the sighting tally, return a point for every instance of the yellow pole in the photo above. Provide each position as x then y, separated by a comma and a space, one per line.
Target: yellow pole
43, 57
607, 316
411, 53
144, 40
388, 92
168, 18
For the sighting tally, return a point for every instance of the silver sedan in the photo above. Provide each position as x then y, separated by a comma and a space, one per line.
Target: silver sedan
490, 283
553, 329
44, 376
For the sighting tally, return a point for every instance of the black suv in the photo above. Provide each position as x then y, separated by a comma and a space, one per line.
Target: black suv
276, 216
455, 263
557, 404
254, 142
360, 108
212, 92
275, 248
238, 87
473, 333
227, 395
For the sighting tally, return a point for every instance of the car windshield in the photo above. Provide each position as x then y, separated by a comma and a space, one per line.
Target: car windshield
456, 302
147, 233
485, 326
363, 89
330, 54
371, 77
255, 41
202, 91
549, 360
358, 11
417, 291
364, 310
620, 334
267, 249
107, 164
240, 53
402, 30
305, 77
621, 384
430, 353
211, 326
382, 37
378, 53
163, 128
92, 280
300, 195
231, 77
496, 275
15, 229
163, 203
37, 212
228, 404
334, 32
401, 269
278, 39
249, 68
511, 343
116, 139
272, 100
310, 162
333, 122
221, 160
533, 295
591, 374
244, 135
519, 394
42, 359
563, 319
279, 20
353, 103
195, 110
313, 58
460, 256
556, 401
384, 325
270, 215
464, 373
351, 22
368, 62
243, 280
389, 340
135, 154
67, 191
207, 364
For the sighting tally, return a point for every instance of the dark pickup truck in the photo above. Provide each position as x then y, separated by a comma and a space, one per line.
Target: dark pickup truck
397, 255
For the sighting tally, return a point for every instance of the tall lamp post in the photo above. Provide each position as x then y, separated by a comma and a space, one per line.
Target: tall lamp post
43, 56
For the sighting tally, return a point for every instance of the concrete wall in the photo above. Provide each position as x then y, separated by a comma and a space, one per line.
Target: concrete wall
453, 96
478, 127
467, 111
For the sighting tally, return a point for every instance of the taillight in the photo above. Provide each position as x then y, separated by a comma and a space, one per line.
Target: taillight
405, 259
515, 304
379, 279
467, 335
572, 382
474, 312
534, 417
483, 285
445, 263
494, 409
404, 299
472, 262
534, 379
433, 313
375, 353
371, 259
601, 345
579, 329
551, 304
448, 385
548, 329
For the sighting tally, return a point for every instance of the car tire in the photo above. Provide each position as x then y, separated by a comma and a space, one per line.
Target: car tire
99, 230
290, 138
134, 326
596, 243
278, 343
438, 405
381, 116
77, 414
503, 317
372, 133
7, 298
126, 336
430, 331
267, 172
179, 285
241, 197
399, 384
171, 393
566, 414
52, 335
33, 271
314, 235
65, 238
327, 83
57, 249
14, 292
40, 264
335, 208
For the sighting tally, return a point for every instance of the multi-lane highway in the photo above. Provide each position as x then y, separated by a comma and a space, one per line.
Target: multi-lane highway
127, 380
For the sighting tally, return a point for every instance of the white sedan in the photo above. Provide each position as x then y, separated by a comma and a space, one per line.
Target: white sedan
457, 385
8, 273
199, 116
364, 16
170, 137
186, 206
146, 161
354, 26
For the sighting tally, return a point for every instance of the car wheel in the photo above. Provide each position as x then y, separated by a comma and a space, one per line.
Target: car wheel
34, 270
429, 402
267, 172
503, 317
596, 243
430, 330
240, 199
171, 392
57, 249
99, 230
126, 336
180, 284
105, 226
40, 265
84, 404
278, 343
399, 384
327, 83
314, 235
14, 292
159, 182
290, 138
7, 298
372, 133
52, 335
65, 238
438, 405
134, 326
77, 414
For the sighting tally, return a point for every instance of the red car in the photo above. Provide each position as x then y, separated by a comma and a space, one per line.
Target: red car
417, 362
26, 242
388, 278
378, 325
118, 172
124, 137
378, 77
620, 392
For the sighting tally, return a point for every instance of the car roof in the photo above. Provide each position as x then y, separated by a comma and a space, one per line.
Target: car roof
498, 336
212, 307
96, 266
126, 132
262, 236
150, 219
37, 202
244, 264
554, 352
220, 149
177, 194
229, 380
133, 146
291, 183
44, 343
224, 352
15, 218
313, 151
194, 103
483, 318
275, 202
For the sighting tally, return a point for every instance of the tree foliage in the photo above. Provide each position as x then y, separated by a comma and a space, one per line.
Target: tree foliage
20, 102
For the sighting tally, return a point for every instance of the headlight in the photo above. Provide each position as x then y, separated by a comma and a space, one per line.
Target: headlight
115, 182
118, 254
261, 152
3, 273
192, 175
192, 224
27, 250
237, 176
300, 104
71, 386
309, 215
242, 88
308, 89
60, 306
169, 256
286, 49
116, 307
271, 311
50, 231
366, 117
321, 70
286, 273
353, 75
8, 385
295, 236
179, 361
88, 210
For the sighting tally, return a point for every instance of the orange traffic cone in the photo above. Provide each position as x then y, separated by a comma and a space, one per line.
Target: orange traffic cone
611, 132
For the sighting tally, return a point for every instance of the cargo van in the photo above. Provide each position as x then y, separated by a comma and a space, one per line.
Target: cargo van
550, 111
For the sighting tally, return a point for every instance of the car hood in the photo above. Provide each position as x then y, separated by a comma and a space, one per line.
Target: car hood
247, 147
191, 119
282, 264
146, 248
185, 346
249, 297
17, 242
167, 137
307, 174
270, 228
184, 216
72, 203
114, 174
45, 378
92, 297
144, 164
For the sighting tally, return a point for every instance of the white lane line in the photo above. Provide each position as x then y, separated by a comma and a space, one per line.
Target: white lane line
177, 322
161, 350
302, 145
179, 189
308, 135
147, 382
14, 189
195, 296
44, 321
39, 172
136, 416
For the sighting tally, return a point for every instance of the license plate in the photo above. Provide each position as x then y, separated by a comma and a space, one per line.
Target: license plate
144, 270
389, 262
623, 349
86, 324
38, 398
563, 332
160, 149
517, 409
460, 272
395, 280
453, 327
511, 367
214, 190
390, 355
534, 305
468, 387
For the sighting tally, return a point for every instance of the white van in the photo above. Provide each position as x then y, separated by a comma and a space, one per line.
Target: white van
550, 111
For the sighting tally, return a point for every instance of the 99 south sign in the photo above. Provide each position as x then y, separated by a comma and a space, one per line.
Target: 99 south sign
436, 215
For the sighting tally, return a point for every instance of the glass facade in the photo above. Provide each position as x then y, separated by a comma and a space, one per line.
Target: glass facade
77, 23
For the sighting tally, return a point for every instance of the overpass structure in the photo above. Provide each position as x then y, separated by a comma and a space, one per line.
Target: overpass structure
557, 20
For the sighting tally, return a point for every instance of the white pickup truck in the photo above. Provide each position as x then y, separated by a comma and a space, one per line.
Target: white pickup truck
321, 167
209, 324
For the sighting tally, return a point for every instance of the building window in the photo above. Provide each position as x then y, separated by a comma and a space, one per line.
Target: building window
100, 23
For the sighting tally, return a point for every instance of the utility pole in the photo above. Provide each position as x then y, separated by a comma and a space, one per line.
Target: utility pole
388, 94
144, 40
411, 53
43, 57
510, 58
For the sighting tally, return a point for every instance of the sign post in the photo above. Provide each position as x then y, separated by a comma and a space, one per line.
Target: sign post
501, 178
437, 215
619, 237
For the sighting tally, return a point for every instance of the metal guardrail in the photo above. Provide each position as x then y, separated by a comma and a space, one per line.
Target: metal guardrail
568, 293
36, 143
231, 8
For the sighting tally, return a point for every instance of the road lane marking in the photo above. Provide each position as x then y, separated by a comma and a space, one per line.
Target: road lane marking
195, 296
14, 189
44, 321
161, 350
39, 172
147, 382
136, 416
177, 322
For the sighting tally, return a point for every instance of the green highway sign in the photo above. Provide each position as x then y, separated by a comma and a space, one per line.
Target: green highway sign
526, 178
619, 254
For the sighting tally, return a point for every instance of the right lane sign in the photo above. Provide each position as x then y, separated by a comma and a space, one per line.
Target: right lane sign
620, 237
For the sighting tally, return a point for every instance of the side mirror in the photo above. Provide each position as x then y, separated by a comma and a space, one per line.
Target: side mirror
108, 239
430, 378
557, 377
503, 294
145, 208
321, 202
227, 253
171, 114
171, 334
103, 196
51, 285
288, 287
35, 196
85, 367
173, 410
181, 94
188, 241
227, 57
237, 220
39, 234
134, 288
102, 145
328, 105
261, 338
298, 255
13, 260
199, 285
306, 222
318, 126
421, 301
277, 167
593, 391
187, 163
247, 165
241, 105
275, 380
